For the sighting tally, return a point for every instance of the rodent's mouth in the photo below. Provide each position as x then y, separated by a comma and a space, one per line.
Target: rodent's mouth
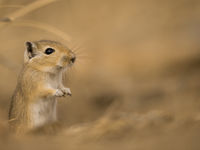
58, 67
67, 64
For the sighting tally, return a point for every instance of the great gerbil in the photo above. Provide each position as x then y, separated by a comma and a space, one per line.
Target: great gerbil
34, 101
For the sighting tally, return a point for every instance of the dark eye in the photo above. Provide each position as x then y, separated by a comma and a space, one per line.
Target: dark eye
48, 51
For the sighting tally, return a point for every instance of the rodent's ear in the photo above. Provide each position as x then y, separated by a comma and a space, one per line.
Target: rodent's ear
29, 52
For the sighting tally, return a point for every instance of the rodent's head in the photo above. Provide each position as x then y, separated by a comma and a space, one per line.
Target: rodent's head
48, 56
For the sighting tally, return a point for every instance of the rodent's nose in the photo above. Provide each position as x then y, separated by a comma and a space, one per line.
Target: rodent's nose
73, 59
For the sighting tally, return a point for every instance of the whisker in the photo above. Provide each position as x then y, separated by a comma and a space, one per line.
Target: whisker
85, 55
77, 48
81, 63
84, 60
79, 51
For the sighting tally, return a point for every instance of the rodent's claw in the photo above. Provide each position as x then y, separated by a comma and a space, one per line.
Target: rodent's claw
67, 91
59, 93
69, 94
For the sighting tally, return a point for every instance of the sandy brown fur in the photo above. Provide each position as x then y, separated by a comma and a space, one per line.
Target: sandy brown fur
39, 80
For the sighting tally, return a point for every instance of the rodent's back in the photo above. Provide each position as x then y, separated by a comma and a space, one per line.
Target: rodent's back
23, 94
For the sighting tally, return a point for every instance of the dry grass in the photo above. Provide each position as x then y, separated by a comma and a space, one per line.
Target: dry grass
27, 9
137, 85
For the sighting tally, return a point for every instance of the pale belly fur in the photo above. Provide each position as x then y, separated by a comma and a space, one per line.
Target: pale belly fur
43, 112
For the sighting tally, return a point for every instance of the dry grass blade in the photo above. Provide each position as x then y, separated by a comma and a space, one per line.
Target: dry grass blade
11, 6
29, 8
44, 27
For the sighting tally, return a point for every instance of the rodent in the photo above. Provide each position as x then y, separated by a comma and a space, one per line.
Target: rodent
33, 103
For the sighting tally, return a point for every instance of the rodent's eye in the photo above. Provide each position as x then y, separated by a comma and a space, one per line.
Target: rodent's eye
48, 51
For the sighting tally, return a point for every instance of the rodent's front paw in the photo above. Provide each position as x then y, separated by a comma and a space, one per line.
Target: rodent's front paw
66, 91
59, 93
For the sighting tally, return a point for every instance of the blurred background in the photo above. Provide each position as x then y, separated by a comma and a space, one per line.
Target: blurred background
135, 84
